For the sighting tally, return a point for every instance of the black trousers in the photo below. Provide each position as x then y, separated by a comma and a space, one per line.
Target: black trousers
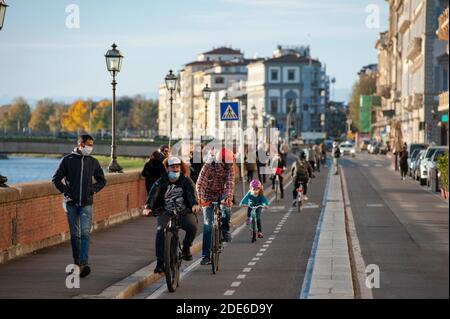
189, 224
281, 183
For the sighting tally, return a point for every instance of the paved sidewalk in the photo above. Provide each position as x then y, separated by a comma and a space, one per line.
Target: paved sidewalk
331, 274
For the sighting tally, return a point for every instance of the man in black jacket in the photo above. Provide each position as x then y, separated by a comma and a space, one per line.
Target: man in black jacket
173, 191
77, 170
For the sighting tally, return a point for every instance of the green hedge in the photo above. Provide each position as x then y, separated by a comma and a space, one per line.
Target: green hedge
442, 167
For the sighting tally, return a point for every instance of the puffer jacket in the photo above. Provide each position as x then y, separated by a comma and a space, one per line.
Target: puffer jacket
77, 171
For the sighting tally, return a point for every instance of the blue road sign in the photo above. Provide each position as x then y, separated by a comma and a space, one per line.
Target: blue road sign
229, 111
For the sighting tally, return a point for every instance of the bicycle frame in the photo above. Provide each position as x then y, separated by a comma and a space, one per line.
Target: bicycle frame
172, 252
253, 221
216, 237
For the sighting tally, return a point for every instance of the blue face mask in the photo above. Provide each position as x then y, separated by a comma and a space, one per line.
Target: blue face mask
173, 176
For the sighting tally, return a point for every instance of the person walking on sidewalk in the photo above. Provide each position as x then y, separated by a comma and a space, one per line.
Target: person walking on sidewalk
173, 191
77, 169
403, 163
154, 168
336, 155
216, 184
278, 166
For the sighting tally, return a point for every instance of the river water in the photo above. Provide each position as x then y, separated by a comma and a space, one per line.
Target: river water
27, 169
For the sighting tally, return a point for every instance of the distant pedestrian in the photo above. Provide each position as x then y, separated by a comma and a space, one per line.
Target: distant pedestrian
312, 157
317, 152
336, 155
261, 158
77, 169
154, 168
196, 164
251, 168
403, 162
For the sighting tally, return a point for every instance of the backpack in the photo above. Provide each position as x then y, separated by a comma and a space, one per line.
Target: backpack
301, 169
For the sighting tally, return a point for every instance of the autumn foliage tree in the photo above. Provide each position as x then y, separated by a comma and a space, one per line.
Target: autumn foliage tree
76, 118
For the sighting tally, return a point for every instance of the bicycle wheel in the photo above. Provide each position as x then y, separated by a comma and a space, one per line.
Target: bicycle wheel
215, 248
299, 205
253, 229
276, 190
171, 262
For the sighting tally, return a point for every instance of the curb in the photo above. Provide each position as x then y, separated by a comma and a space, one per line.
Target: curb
144, 277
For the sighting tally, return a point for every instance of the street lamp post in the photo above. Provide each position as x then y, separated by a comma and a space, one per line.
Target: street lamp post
206, 95
113, 64
3, 7
171, 85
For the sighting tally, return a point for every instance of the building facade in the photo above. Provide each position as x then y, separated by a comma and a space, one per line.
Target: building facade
291, 87
411, 72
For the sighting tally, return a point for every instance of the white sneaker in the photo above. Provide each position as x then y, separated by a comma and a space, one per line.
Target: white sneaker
305, 197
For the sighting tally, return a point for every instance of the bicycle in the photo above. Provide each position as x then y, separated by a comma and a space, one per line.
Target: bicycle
253, 222
216, 238
172, 250
299, 198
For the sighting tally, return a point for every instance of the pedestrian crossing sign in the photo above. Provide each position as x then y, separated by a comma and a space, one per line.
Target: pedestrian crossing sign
229, 111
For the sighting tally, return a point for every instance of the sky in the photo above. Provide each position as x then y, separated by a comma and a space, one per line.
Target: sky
43, 55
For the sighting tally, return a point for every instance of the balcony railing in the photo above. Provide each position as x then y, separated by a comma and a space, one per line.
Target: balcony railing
404, 22
414, 48
443, 102
443, 26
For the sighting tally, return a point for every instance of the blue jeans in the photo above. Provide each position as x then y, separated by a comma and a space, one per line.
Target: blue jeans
207, 222
80, 221
258, 217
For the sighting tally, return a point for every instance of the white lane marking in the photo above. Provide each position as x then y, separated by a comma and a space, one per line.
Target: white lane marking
246, 270
375, 205
235, 284
266, 245
255, 258
268, 241
276, 231
271, 238
229, 292
439, 206
163, 287
263, 249
259, 254
241, 276
252, 263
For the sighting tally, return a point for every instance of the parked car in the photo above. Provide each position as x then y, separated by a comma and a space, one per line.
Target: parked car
416, 166
374, 147
364, 144
431, 167
415, 146
412, 161
347, 148
423, 168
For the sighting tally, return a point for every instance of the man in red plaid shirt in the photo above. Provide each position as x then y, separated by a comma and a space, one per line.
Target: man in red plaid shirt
216, 184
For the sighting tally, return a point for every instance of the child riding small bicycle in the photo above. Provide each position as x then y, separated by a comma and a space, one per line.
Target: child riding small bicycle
254, 198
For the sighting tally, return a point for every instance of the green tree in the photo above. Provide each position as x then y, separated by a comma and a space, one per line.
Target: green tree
143, 114
54, 121
101, 116
19, 114
365, 85
41, 114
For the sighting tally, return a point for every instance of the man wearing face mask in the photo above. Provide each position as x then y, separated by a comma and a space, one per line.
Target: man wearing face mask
77, 170
216, 184
173, 191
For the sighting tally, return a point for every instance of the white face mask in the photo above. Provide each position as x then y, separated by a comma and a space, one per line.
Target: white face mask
87, 150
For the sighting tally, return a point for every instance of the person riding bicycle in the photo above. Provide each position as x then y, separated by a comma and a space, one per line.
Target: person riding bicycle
173, 191
255, 197
301, 172
216, 184
278, 165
